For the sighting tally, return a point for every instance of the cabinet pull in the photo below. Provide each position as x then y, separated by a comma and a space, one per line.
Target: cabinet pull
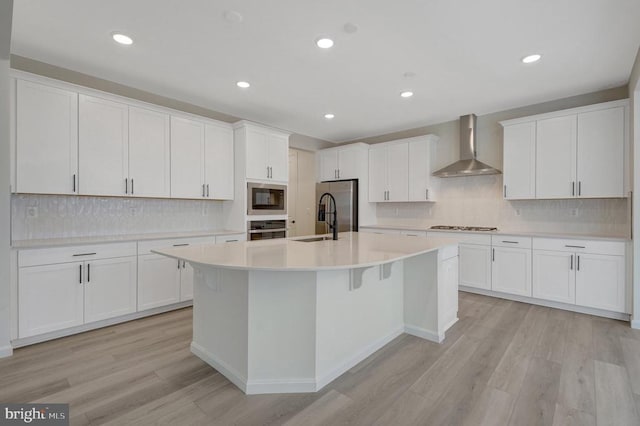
426, 194
126, 185
338, 173
573, 189
88, 272
510, 242
80, 273
178, 264
504, 191
83, 254
267, 172
74, 183
203, 190
132, 187
181, 245
230, 241
271, 172
493, 255
578, 263
571, 264
579, 187
207, 190
569, 246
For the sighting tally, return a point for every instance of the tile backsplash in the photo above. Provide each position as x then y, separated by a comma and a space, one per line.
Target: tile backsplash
54, 216
477, 201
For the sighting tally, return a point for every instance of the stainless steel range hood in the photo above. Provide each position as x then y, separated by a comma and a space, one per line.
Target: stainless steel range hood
468, 165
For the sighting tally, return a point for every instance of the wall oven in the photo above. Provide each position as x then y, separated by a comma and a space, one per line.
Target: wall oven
266, 229
265, 199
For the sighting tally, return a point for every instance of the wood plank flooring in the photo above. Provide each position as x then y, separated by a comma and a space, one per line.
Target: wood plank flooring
503, 363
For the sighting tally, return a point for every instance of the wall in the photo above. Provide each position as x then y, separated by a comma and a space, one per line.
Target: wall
6, 15
58, 216
634, 92
302, 192
478, 200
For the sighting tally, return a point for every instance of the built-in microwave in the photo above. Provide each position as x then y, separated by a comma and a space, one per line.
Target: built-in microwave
265, 199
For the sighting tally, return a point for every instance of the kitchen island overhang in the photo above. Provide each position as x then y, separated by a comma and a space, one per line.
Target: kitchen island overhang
285, 316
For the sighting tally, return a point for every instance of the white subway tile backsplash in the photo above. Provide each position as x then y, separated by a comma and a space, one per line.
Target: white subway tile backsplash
54, 216
477, 201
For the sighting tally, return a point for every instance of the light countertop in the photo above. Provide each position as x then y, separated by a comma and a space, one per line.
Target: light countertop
74, 241
501, 232
352, 250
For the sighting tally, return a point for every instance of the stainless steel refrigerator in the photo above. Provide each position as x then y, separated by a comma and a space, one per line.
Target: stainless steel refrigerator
346, 194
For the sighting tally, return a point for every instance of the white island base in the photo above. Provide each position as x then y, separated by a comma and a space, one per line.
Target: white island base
296, 331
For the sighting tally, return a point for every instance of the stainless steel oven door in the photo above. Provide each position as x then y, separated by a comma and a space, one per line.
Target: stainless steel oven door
266, 199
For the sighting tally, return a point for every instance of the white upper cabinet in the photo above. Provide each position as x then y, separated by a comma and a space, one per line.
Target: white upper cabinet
377, 174
579, 153
187, 153
340, 163
266, 152
520, 161
103, 146
47, 139
328, 165
420, 182
556, 148
218, 162
149, 153
600, 158
398, 172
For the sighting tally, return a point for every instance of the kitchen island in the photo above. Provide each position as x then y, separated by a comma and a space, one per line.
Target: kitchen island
290, 315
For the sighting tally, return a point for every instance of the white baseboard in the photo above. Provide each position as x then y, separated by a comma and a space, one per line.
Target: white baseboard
423, 333
548, 303
230, 373
6, 351
367, 351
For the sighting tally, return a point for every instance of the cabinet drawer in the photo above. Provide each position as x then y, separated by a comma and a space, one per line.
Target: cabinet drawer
614, 248
463, 237
230, 238
145, 247
48, 256
510, 241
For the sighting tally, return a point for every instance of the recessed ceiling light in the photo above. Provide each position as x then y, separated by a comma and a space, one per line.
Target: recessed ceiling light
329, 116
406, 94
243, 84
122, 39
531, 58
324, 43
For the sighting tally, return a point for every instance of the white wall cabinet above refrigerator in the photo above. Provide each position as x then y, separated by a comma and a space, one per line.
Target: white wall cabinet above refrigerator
266, 152
400, 170
577, 153
341, 163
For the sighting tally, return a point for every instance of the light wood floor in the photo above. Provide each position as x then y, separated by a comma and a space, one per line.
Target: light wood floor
503, 363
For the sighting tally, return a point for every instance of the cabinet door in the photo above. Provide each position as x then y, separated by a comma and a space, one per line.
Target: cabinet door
49, 298
47, 139
601, 153
511, 271
419, 172
218, 162
398, 172
554, 276
556, 157
328, 165
158, 281
475, 266
447, 291
377, 174
349, 163
186, 283
257, 149
110, 288
103, 146
279, 157
187, 152
149, 153
519, 161
600, 282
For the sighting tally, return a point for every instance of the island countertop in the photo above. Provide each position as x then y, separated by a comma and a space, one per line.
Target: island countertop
351, 250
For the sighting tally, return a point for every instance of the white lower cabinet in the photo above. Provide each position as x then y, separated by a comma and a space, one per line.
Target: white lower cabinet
554, 276
186, 282
600, 282
475, 266
511, 270
51, 297
109, 288
158, 281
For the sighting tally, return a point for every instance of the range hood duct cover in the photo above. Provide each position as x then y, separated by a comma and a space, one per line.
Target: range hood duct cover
468, 165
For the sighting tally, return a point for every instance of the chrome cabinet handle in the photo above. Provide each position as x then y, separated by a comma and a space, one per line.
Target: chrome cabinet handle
178, 264
80, 273
510, 242
267, 172
203, 190
74, 183
207, 190
573, 189
181, 245
338, 173
88, 272
571, 265
126, 185
83, 254
132, 191
493, 255
570, 246
426, 194
579, 187
578, 263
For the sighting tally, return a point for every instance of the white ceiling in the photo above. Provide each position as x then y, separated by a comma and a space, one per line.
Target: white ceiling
465, 54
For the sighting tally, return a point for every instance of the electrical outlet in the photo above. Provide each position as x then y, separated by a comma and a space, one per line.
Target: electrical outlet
518, 212
574, 212
32, 211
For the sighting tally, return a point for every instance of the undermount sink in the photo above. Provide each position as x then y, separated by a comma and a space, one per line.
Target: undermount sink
314, 239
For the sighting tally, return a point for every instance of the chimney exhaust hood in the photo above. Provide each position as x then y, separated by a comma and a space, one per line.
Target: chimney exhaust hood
467, 165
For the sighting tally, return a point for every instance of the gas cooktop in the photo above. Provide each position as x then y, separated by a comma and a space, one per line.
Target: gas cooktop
465, 228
